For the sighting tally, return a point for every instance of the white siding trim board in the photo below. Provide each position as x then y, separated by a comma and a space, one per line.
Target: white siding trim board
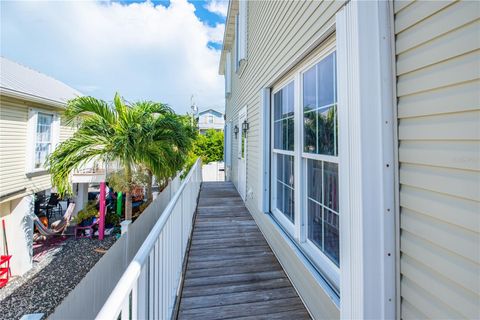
265, 139
367, 172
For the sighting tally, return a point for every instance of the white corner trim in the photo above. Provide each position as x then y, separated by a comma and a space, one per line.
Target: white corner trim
265, 139
366, 147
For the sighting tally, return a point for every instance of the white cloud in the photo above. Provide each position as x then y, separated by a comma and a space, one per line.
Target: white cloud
219, 7
141, 50
215, 34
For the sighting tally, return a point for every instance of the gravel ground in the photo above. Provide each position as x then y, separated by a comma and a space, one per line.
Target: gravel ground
44, 287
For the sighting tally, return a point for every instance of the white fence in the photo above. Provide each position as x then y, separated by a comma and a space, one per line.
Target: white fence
144, 265
213, 171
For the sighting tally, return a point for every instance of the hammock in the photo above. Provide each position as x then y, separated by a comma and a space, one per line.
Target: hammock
58, 226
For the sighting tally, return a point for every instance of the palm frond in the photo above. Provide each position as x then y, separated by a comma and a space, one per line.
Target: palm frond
85, 106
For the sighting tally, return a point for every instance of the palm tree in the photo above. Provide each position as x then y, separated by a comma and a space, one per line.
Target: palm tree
144, 134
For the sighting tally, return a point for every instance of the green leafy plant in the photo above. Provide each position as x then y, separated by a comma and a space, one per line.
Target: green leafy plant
112, 219
209, 146
88, 212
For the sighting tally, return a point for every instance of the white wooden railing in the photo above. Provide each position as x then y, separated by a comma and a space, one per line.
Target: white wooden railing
149, 286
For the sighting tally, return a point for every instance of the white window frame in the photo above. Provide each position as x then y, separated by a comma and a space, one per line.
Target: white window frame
298, 230
32, 124
286, 223
329, 268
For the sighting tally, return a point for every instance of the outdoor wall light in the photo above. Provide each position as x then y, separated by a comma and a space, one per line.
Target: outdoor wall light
245, 126
235, 130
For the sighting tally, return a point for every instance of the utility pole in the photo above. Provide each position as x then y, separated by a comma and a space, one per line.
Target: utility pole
194, 108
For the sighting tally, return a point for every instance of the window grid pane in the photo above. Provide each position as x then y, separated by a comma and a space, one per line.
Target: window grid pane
285, 202
283, 112
43, 139
319, 108
322, 207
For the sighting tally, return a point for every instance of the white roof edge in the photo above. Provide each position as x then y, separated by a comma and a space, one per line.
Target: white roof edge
20, 81
32, 98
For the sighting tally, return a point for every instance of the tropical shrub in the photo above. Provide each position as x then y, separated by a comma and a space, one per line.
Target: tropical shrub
209, 146
86, 213
112, 219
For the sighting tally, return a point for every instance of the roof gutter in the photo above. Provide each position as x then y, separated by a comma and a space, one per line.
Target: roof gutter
32, 98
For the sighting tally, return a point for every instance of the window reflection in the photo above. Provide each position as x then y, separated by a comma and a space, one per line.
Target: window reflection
319, 108
320, 131
323, 226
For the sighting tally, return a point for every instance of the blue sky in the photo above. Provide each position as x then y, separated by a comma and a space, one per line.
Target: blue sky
156, 50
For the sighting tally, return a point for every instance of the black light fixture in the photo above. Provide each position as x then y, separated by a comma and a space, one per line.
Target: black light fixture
245, 126
235, 130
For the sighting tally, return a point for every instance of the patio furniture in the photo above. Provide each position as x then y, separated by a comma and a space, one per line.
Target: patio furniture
58, 227
52, 204
89, 228
5, 272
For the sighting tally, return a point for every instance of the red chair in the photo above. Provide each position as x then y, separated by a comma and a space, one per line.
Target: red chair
5, 272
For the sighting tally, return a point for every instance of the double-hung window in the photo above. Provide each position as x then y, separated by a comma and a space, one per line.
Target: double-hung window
305, 150
283, 155
241, 34
228, 74
43, 139
43, 129
320, 156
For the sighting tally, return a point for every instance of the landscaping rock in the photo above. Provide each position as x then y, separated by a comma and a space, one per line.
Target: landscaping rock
44, 287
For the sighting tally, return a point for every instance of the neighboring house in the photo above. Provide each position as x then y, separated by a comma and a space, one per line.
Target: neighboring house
353, 135
210, 119
31, 104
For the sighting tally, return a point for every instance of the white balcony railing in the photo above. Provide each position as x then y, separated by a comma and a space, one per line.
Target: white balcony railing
148, 287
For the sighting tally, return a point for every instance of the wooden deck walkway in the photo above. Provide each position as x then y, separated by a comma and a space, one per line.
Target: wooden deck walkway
231, 271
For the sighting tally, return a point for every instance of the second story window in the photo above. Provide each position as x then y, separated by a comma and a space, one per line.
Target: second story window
43, 139
210, 119
228, 74
43, 133
241, 34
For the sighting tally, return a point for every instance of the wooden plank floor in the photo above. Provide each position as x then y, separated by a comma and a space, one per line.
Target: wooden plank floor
231, 270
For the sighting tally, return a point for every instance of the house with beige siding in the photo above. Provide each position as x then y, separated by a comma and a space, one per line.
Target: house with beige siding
353, 136
31, 105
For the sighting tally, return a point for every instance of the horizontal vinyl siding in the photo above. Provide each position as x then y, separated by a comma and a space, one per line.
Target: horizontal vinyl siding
278, 31
13, 145
438, 88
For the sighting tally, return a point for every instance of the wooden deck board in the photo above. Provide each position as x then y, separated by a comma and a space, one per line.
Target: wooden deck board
231, 270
